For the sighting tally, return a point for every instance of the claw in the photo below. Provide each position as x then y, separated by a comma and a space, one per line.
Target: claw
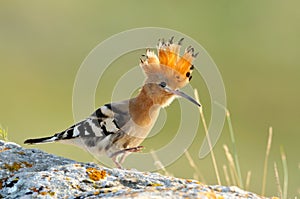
133, 149
116, 154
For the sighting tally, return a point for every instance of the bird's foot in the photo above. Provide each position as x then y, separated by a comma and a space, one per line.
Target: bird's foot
132, 149
124, 152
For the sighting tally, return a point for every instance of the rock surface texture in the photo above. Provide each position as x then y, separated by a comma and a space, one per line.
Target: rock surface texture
31, 173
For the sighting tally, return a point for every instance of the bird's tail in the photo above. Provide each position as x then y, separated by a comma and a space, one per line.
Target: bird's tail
41, 140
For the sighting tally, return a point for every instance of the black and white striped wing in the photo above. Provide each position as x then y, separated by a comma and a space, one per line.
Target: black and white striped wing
106, 120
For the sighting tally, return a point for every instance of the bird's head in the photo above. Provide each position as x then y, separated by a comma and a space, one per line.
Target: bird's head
168, 72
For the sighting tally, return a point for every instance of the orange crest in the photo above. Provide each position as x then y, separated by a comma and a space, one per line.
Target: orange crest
168, 55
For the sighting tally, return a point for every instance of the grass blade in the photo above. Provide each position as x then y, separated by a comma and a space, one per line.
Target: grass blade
232, 167
248, 178
285, 174
208, 138
158, 164
226, 175
277, 180
3, 134
193, 165
266, 162
235, 153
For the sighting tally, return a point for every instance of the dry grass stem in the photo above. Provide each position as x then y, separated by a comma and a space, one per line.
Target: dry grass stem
197, 174
279, 189
3, 133
248, 178
232, 168
158, 164
266, 161
226, 175
208, 138
285, 174
235, 153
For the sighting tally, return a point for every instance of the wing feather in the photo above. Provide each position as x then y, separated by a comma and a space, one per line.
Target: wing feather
106, 120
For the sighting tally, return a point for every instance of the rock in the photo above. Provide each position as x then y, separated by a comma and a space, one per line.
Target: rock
32, 173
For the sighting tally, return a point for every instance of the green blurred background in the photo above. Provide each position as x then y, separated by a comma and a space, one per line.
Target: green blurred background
254, 43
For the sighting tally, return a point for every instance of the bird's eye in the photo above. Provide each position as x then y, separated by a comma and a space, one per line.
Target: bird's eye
163, 84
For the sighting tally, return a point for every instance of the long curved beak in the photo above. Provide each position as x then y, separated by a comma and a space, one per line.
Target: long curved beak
182, 94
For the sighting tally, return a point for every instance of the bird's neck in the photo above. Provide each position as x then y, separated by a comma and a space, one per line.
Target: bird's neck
144, 108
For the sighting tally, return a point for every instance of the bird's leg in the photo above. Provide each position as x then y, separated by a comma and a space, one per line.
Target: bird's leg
133, 149
115, 160
124, 153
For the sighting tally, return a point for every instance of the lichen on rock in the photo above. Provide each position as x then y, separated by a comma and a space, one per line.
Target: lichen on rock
32, 173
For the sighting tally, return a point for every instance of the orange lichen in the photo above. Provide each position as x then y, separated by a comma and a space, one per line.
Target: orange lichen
95, 174
211, 195
43, 193
4, 149
197, 182
16, 166
27, 164
34, 189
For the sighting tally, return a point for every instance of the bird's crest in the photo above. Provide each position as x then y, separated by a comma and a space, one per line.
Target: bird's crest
169, 61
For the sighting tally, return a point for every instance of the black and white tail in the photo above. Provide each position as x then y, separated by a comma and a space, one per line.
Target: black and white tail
67, 134
41, 140
100, 124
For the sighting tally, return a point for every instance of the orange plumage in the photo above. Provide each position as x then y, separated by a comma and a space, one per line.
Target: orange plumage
169, 63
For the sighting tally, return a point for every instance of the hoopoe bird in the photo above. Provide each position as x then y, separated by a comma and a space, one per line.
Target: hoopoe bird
117, 129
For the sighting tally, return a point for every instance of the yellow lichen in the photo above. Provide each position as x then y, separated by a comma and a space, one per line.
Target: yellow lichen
211, 195
155, 184
16, 166
51, 193
95, 174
